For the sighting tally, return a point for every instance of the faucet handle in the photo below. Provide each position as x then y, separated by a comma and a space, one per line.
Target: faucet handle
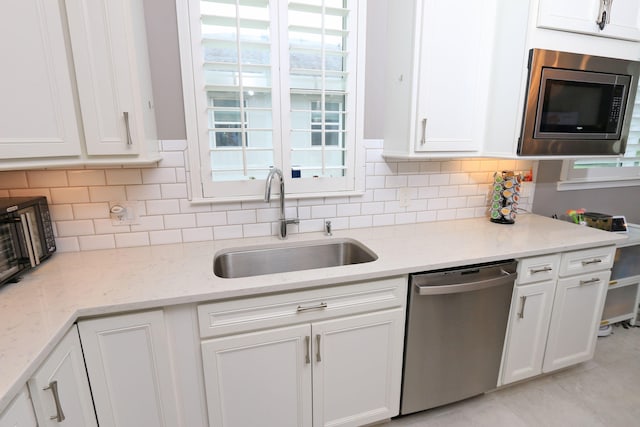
327, 228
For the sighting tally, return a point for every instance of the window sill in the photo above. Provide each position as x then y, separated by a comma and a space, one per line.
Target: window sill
577, 184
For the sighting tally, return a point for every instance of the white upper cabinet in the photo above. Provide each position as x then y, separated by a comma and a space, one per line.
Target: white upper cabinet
78, 89
606, 18
37, 113
437, 77
110, 58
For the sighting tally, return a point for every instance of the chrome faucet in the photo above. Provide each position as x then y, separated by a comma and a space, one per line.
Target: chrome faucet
267, 198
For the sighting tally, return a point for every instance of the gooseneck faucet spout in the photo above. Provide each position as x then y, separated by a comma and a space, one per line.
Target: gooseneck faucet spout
267, 198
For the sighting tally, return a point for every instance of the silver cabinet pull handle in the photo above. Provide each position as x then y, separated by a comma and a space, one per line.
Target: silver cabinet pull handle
320, 306
540, 270
307, 344
53, 386
589, 282
424, 132
318, 359
521, 312
127, 127
593, 261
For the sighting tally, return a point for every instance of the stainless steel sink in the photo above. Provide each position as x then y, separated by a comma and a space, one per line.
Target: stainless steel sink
257, 260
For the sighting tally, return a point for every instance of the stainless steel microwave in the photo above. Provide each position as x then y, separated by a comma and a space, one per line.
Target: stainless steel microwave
577, 105
26, 235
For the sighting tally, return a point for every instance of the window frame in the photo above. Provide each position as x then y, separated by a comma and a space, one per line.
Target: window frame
198, 147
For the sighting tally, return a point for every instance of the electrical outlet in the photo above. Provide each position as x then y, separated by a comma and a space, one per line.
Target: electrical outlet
124, 213
403, 197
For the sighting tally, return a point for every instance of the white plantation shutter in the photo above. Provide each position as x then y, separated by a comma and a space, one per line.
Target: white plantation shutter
275, 85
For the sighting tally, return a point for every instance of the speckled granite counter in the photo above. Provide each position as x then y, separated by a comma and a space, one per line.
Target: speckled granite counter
36, 312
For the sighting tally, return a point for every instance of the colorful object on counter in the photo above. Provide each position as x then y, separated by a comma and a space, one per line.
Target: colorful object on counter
505, 197
577, 215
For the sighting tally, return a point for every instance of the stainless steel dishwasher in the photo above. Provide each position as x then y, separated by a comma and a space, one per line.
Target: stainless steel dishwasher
456, 323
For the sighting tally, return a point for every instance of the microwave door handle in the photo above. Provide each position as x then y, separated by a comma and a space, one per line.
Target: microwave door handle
28, 237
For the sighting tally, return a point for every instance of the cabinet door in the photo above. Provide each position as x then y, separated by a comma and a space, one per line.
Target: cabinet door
103, 37
581, 16
528, 327
37, 113
577, 309
452, 79
129, 369
259, 379
63, 378
19, 413
357, 368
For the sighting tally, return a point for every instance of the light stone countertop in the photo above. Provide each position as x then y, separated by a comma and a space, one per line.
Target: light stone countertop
37, 311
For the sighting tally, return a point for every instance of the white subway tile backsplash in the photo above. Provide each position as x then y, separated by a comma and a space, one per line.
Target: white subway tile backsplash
180, 221
110, 193
162, 207
69, 195
79, 199
88, 177
210, 219
223, 232
90, 210
143, 192
47, 178
123, 176
100, 241
13, 180
81, 227
165, 237
128, 240
201, 234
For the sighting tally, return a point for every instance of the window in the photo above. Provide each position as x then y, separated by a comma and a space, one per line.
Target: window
607, 172
273, 83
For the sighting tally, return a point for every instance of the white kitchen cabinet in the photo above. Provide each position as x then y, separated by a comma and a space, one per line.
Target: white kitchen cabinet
330, 356
577, 309
261, 378
37, 112
528, 328
581, 16
437, 77
555, 312
60, 388
129, 369
76, 90
19, 413
111, 66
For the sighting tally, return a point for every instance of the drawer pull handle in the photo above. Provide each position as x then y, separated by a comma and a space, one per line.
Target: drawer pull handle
589, 282
524, 301
540, 270
318, 359
593, 261
59, 416
320, 306
307, 344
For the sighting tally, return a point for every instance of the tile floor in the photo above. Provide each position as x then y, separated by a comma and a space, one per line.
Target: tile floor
604, 392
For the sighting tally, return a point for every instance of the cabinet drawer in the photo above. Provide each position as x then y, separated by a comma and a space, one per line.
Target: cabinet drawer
537, 269
586, 261
233, 316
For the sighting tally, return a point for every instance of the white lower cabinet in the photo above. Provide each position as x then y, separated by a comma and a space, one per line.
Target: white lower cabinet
314, 365
19, 413
127, 359
555, 312
529, 324
60, 389
577, 309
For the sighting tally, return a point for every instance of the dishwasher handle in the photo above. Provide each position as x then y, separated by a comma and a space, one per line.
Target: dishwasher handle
457, 288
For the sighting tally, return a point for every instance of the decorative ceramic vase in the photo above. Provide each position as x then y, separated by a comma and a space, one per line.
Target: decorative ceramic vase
504, 197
